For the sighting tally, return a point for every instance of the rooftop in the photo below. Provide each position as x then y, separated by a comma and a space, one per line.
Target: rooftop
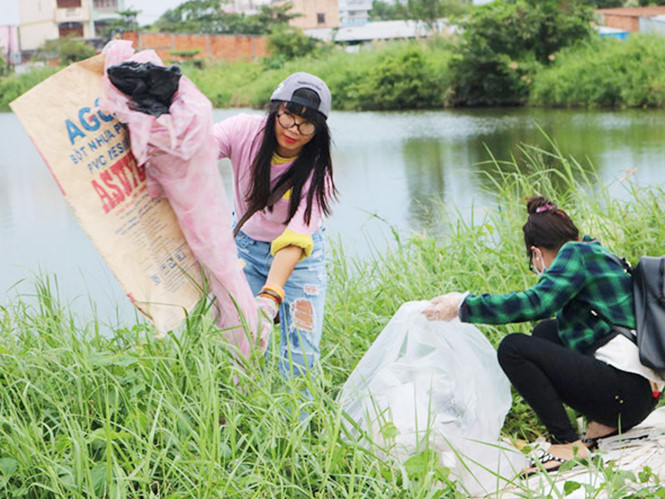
634, 11
381, 30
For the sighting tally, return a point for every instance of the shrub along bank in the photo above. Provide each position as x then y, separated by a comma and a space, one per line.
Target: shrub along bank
508, 54
14, 85
597, 72
389, 76
605, 73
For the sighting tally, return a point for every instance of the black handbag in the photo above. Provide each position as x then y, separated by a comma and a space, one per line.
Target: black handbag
649, 294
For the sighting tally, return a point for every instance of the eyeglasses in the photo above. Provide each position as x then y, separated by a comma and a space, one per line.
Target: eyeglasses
287, 120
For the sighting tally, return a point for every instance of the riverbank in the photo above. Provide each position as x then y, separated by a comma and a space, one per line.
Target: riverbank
129, 415
600, 73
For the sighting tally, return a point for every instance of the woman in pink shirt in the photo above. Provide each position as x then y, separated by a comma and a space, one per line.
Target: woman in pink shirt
283, 187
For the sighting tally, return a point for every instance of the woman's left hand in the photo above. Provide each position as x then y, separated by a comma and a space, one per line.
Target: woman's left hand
444, 307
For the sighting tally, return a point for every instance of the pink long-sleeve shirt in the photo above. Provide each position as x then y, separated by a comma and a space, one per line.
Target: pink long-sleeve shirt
239, 139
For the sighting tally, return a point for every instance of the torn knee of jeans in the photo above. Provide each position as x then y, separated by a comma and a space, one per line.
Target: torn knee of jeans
303, 314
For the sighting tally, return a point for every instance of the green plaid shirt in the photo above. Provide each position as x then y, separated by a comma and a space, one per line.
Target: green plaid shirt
583, 285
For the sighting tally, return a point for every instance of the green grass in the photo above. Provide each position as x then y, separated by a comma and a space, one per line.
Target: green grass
83, 414
14, 85
605, 73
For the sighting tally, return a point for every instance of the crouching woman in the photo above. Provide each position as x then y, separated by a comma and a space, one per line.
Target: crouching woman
577, 358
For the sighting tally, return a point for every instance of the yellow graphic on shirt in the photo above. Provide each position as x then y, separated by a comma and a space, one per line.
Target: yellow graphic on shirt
280, 160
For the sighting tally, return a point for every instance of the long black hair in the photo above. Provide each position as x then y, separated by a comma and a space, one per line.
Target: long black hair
547, 225
314, 160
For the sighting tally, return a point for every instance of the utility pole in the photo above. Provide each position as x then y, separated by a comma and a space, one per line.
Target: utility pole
91, 6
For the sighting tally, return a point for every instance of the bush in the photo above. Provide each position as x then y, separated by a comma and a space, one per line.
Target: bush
4, 66
369, 79
67, 50
289, 43
605, 73
406, 79
485, 78
15, 85
220, 81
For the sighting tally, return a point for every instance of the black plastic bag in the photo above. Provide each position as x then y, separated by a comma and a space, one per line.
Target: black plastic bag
150, 87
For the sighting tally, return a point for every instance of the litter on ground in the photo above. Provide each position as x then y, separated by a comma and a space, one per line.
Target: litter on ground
639, 449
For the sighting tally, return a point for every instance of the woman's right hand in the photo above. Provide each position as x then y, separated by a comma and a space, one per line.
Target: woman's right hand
267, 306
444, 307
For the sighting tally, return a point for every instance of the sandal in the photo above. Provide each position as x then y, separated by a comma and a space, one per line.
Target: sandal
592, 443
538, 460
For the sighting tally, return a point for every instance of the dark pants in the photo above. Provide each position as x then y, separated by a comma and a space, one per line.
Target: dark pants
548, 375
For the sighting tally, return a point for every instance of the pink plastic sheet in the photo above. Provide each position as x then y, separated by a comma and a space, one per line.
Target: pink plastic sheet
179, 156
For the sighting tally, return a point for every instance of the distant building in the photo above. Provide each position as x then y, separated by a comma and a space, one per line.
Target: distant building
378, 31
170, 47
9, 47
313, 13
354, 12
607, 32
627, 19
247, 7
42, 20
654, 24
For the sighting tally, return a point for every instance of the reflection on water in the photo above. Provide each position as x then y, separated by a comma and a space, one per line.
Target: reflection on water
424, 163
444, 156
393, 170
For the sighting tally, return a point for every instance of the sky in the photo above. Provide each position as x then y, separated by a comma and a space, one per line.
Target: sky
151, 9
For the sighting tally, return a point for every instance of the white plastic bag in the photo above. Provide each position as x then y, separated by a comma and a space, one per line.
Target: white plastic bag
434, 385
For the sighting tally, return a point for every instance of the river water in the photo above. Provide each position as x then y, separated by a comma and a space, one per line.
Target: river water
392, 170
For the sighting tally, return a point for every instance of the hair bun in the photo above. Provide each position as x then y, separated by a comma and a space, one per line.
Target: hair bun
539, 204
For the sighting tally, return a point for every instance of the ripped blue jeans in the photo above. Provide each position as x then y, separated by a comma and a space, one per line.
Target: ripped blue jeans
301, 314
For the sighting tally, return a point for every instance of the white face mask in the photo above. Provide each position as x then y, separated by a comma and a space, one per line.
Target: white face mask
542, 261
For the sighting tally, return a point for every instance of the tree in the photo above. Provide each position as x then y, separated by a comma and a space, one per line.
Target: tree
273, 16
503, 44
288, 43
4, 65
383, 11
126, 22
605, 4
427, 11
67, 50
193, 16
207, 16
